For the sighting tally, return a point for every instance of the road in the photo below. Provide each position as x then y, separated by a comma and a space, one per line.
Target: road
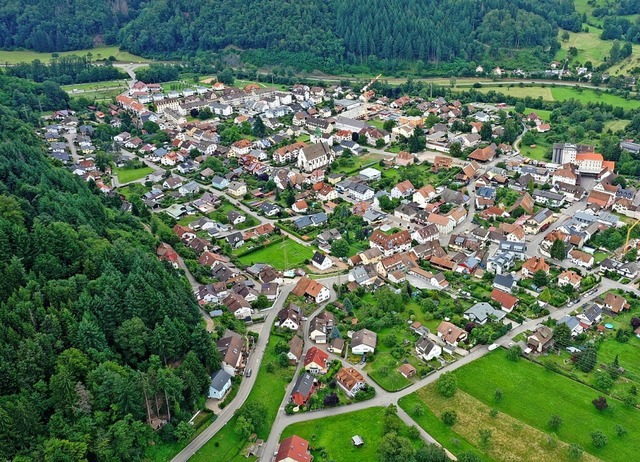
254, 361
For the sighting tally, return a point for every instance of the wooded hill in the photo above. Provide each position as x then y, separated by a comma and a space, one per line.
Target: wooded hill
98, 336
324, 32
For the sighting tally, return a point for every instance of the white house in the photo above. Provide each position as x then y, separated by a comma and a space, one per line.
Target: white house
220, 383
427, 349
321, 261
364, 341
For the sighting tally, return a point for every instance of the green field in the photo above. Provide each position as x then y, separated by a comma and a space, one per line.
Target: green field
334, 435
283, 255
26, 56
514, 90
532, 394
126, 175
542, 113
590, 96
269, 390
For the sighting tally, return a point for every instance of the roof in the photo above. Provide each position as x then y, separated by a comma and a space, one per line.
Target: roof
294, 448
616, 302
316, 356
303, 386
505, 280
306, 286
349, 377
295, 346
219, 379
364, 337
483, 311
536, 264
450, 332
506, 300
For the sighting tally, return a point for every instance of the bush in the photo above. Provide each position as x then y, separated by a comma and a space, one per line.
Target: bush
600, 403
514, 353
447, 385
575, 451
599, 439
554, 422
449, 418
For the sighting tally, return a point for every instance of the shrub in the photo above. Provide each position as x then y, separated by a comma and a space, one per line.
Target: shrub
600, 403
449, 418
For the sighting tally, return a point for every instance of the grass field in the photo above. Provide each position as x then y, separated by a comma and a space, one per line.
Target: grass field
283, 255
536, 153
269, 390
334, 435
542, 113
125, 175
26, 56
515, 91
590, 96
615, 125
93, 86
532, 394
510, 440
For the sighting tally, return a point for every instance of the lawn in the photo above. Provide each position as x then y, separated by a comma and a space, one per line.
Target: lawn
283, 255
355, 163
536, 153
590, 96
93, 86
384, 370
333, 434
26, 56
532, 394
515, 90
589, 44
542, 113
162, 452
126, 175
269, 389
598, 256
615, 125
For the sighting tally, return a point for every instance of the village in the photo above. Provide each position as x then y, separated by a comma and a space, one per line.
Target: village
381, 242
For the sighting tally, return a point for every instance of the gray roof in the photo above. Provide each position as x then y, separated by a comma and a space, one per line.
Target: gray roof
304, 384
571, 321
219, 379
505, 280
482, 311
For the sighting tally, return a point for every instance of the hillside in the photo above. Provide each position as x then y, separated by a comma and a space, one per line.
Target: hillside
317, 33
97, 335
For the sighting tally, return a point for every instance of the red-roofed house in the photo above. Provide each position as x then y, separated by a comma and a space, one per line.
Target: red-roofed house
507, 301
294, 449
315, 361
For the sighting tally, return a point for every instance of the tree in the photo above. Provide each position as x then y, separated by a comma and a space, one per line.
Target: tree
599, 439
394, 448
485, 436
498, 395
514, 353
565, 36
447, 384
226, 76
132, 337
540, 278
554, 422
262, 302
340, 248
620, 431
631, 255
588, 359
259, 129
486, 131
455, 150
562, 335
469, 457
604, 381
449, 418
558, 250
600, 403
575, 451
431, 453
244, 427
331, 400
520, 107
184, 431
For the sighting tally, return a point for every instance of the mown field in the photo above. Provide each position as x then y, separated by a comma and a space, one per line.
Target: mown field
533, 394
26, 56
287, 254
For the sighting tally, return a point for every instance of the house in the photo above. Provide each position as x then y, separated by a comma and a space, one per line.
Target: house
580, 258
230, 347
424, 195
539, 222
290, 317
444, 224
541, 340
403, 189
574, 325
451, 334
590, 315
427, 349
303, 389
337, 346
615, 303
315, 361
237, 189
390, 244
311, 288
220, 383
504, 282
235, 240
482, 312
166, 253
548, 198
350, 380
220, 183
483, 154
300, 206
293, 449
296, 345
184, 233
172, 182
507, 301
426, 234
363, 341
238, 306
404, 158
320, 327
269, 209
407, 370
570, 278
190, 188
533, 265
321, 261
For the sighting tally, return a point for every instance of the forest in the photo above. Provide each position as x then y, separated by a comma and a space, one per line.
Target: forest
66, 70
98, 337
328, 34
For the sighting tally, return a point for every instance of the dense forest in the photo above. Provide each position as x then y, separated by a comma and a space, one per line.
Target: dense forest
67, 70
318, 33
98, 337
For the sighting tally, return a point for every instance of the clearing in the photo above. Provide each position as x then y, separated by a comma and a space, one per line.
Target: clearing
283, 255
126, 175
332, 435
26, 56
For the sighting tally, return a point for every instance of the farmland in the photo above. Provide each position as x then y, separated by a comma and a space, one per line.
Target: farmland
26, 56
